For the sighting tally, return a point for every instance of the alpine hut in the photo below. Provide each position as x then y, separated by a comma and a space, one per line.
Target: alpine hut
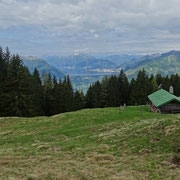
162, 101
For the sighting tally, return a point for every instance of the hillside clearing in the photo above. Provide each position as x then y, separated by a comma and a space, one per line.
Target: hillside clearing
91, 144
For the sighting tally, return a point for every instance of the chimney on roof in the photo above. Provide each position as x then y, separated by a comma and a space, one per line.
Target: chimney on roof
171, 89
160, 86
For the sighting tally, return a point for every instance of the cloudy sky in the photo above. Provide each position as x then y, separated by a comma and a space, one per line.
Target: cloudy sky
56, 27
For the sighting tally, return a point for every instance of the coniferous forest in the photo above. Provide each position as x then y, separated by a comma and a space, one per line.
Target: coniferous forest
25, 94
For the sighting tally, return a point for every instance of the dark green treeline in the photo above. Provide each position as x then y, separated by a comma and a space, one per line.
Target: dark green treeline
25, 94
117, 90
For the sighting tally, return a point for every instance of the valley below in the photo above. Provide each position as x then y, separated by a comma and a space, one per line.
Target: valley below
85, 69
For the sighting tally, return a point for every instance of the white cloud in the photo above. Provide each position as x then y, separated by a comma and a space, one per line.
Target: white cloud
98, 15
92, 31
115, 21
78, 51
96, 36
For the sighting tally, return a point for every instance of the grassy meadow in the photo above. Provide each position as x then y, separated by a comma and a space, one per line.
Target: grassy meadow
133, 144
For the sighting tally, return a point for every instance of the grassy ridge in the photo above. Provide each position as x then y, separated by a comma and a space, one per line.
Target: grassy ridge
91, 144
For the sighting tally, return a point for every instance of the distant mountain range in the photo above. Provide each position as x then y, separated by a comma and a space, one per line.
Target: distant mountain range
41, 65
120, 59
82, 64
85, 69
165, 64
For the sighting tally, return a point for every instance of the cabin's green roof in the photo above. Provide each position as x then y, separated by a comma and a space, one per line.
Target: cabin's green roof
161, 97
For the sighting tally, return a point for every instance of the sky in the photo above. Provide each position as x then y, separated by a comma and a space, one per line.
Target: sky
59, 27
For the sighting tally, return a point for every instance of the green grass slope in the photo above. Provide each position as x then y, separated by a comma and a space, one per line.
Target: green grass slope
91, 144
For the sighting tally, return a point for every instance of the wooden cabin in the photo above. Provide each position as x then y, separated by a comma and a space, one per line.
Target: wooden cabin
162, 101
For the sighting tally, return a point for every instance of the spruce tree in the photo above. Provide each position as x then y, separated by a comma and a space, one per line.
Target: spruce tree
96, 101
175, 82
68, 94
104, 94
56, 97
159, 79
166, 83
17, 99
48, 97
37, 94
78, 100
133, 92
7, 55
123, 88
113, 94
153, 85
140, 90
88, 97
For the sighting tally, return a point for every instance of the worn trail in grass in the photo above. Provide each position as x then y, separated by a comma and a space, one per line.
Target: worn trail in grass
91, 144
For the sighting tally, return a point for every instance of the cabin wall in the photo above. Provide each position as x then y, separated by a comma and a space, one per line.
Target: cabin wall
171, 107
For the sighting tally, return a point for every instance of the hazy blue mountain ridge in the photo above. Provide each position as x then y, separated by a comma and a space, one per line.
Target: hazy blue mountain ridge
82, 64
120, 59
41, 65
